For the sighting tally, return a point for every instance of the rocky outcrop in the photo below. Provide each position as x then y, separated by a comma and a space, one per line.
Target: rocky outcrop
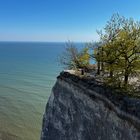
84, 109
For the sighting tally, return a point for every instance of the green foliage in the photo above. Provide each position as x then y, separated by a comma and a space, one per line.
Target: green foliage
84, 58
74, 59
120, 49
69, 57
117, 54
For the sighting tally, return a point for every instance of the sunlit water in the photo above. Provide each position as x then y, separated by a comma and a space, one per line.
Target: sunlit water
27, 74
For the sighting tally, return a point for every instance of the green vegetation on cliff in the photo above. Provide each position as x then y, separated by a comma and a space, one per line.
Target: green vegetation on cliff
117, 54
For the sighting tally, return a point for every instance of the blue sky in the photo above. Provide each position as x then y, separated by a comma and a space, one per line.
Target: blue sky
60, 20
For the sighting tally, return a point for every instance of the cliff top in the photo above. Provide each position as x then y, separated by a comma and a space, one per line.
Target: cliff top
114, 100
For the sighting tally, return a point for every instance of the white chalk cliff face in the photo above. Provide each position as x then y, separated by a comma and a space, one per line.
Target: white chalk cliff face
81, 110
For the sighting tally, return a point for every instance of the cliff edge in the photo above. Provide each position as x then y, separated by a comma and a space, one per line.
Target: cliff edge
84, 109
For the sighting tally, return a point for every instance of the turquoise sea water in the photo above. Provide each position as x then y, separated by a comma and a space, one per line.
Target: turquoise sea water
27, 74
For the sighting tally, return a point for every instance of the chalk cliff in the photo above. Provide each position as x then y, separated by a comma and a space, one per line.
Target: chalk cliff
84, 109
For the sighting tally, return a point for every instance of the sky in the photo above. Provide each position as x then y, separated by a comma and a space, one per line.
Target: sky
60, 20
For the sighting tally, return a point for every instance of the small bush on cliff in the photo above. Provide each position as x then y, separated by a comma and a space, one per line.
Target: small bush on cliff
72, 58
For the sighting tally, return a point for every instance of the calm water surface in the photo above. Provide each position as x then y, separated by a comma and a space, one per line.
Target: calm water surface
27, 73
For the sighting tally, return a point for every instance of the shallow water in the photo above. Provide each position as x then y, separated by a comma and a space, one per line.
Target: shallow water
27, 74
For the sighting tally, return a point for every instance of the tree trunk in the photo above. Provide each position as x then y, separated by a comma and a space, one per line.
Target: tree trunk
98, 68
82, 71
111, 73
102, 63
102, 67
126, 79
126, 74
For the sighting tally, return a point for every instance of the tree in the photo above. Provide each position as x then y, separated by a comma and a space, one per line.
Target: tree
120, 49
69, 57
84, 58
97, 55
108, 50
128, 41
72, 58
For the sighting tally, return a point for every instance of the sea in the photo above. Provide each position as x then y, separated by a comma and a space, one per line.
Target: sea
28, 71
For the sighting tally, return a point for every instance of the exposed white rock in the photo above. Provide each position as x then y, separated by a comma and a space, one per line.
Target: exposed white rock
73, 114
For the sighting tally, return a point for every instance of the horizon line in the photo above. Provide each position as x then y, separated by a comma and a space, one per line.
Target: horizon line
47, 41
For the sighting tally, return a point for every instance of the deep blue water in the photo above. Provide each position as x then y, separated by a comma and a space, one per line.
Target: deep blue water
27, 73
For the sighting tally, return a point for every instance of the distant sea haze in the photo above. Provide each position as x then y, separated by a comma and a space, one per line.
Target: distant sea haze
27, 73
